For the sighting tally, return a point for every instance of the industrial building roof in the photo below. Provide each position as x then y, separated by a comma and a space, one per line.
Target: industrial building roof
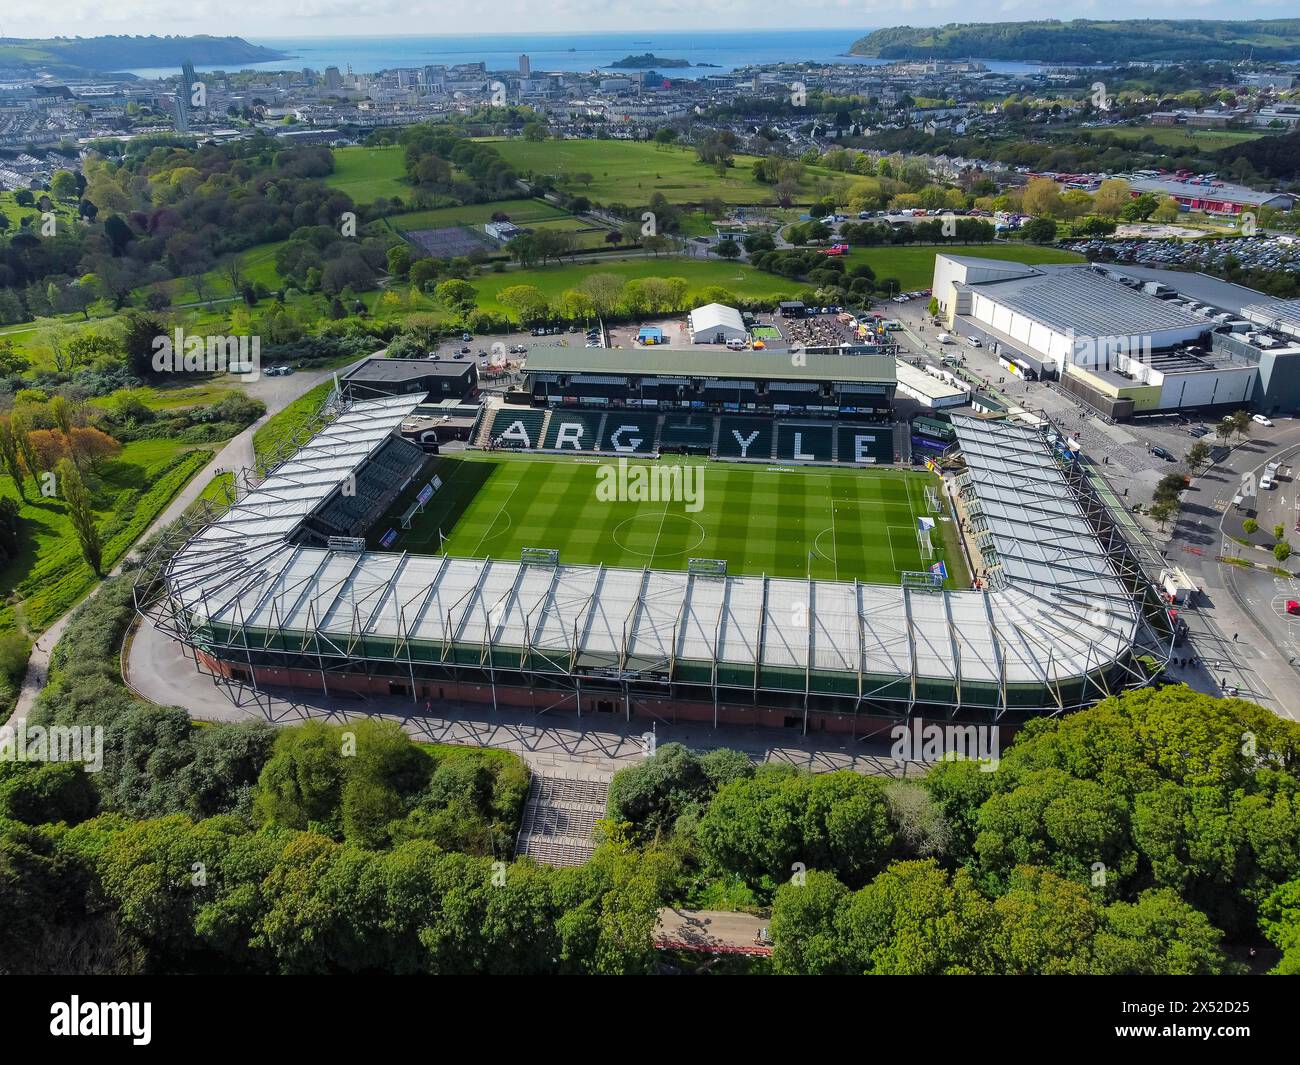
1080, 299
1275, 314
1059, 612
688, 362
1227, 193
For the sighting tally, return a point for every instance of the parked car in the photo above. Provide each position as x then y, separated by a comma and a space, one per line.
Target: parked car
466, 337
1259, 419
1161, 453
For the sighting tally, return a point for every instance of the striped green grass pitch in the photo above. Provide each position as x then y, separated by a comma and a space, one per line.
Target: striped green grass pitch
783, 521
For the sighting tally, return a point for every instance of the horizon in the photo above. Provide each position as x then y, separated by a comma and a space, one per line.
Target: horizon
393, 18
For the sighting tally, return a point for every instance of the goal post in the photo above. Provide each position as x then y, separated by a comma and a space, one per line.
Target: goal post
923, 542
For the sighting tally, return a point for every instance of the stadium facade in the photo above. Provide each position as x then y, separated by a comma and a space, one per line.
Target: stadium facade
1064, 615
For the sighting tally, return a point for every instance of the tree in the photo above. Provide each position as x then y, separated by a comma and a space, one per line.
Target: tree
76, 497
456, 295
527, 302
10, 456
399, 260
1198, 455
917, 919
1164, 512
727, 249
1167, 211
1039, 230
1241, 423
1042, 198
804, 918
64, 185
1111, 197
603, 290
1282, 551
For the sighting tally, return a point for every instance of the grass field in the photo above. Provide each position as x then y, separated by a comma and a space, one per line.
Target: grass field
913, 266
49, 576
1183, 137
837, 524
631, 172
699, 273
366, 174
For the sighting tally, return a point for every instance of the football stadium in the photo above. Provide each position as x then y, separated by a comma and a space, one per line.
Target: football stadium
680, 542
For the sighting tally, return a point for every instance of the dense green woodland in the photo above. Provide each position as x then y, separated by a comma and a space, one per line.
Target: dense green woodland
1089, 41
328, 848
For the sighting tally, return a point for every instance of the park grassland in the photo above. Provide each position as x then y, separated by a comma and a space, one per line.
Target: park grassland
742, 281
49, 576
367, 174
630, 172
828, 523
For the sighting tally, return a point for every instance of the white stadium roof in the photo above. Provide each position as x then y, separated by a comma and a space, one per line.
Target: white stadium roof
1056, 610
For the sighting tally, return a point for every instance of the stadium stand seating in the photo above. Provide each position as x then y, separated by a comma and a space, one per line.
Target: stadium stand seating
517, 427
742, 438
573, 430
865, 444
691, 433
630, 432
804, 441
377, 484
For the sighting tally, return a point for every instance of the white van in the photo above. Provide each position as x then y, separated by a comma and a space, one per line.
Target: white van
944, 338
974, 342
735, 344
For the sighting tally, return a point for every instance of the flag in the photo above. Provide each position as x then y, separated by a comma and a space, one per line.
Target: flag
940, 570
925, 524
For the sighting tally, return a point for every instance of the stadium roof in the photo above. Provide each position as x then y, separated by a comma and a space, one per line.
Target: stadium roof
397, 371
1060, 613
1080, 299
688, 362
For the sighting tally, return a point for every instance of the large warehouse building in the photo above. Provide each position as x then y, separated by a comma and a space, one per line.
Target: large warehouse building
1063, 616
1124, 346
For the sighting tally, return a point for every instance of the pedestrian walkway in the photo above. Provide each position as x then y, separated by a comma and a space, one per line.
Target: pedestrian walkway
559, 823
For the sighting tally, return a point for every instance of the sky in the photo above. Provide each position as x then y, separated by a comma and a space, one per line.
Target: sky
322, 18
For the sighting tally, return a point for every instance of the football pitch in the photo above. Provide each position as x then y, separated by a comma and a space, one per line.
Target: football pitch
783, 521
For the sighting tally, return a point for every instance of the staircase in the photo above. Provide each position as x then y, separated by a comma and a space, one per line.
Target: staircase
560, 818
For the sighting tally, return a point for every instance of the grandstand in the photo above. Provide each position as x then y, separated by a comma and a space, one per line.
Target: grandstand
1063, 616
573, 430
363, 496
690, 434
667, 379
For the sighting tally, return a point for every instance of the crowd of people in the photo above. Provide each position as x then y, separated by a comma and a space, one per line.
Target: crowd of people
820, 332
